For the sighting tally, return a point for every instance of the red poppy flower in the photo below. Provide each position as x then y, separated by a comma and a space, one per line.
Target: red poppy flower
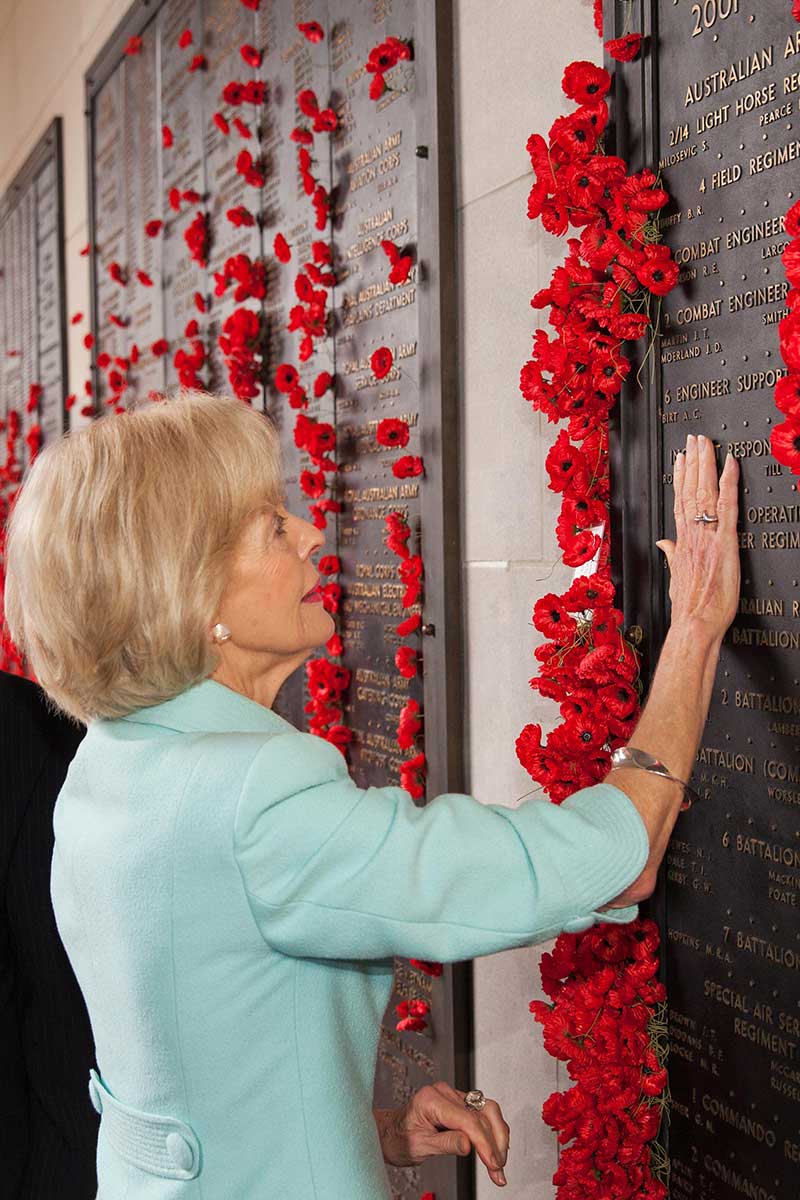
185, 39
307, 102
598, 17
115, 319
785, 443
312, 483
311, 30
85, 250
400, 271
407, 467
76, 318
70, 400
659, 275
334, 645
585, 83
198, 63
620, 699
787, 394
381, 362
377, 86
175, 199
331, 596
35, 393
251, 4
624, 49
392, 432
286, 377
254, 91
133, 46
221, 123
326, 121
391, 251
159, 347
409, 626
242, 128
409, 725
144, 279
588, 592
199, 302
551, 617
240, 216
153, 228
329, 564
406, 660
88, 340
581, 548
166, 137
281, 248
196, 237
116, 273
435, 970
322, 383
789, 333
412, 774
251, 55
303, 137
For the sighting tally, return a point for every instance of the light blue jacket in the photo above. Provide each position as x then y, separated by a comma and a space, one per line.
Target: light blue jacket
231, 902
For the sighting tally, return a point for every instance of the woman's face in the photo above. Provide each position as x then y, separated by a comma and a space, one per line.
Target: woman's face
272, 603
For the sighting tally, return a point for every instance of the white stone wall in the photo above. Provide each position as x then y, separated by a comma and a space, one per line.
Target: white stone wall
510, 56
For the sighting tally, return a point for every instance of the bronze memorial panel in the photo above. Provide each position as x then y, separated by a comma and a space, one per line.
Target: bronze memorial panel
716, 107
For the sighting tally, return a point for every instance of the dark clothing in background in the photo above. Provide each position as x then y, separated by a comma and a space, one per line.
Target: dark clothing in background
48, 1127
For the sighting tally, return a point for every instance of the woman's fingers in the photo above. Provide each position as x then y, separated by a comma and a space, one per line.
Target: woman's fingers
487, 1130
678, 474
728, 504
707, 495
690, 478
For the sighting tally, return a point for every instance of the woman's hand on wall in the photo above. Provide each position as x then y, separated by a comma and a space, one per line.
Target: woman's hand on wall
704, 559
436, 1121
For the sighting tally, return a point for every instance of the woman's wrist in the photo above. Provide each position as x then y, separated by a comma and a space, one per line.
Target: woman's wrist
694, 638
386, 1121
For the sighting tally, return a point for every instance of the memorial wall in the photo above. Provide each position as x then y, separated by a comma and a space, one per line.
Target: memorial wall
715, 109
271, 217
33, 342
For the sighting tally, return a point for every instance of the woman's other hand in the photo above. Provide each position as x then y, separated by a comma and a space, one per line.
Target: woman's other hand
704, 558
436, 1121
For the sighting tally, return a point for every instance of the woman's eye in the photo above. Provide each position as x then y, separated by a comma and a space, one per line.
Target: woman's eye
280, 525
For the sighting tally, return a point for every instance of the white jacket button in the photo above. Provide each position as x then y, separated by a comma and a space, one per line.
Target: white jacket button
180, 1151
94, 1096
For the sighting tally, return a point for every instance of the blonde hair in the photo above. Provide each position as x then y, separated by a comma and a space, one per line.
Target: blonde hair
119, 544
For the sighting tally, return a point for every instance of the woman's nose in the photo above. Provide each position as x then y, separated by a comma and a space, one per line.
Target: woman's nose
310, 539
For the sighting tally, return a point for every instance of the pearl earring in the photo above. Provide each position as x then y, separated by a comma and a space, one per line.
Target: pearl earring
220, 632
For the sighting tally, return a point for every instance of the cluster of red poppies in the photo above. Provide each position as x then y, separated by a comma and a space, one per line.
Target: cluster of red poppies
785, 440
10, 479
313, 284
327, 683
381, 59
604, 1022
607, 291
412, 1014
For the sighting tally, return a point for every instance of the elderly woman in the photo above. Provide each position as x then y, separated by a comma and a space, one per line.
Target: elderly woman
230, 900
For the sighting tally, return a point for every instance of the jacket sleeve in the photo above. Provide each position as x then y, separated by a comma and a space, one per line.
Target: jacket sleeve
335, 871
